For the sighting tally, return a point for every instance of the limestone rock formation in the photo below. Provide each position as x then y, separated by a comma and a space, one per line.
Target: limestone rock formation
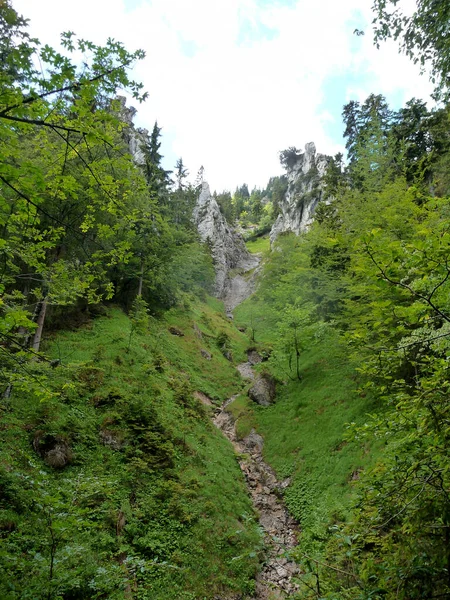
133, 136
305, 172
264, 390
227, 246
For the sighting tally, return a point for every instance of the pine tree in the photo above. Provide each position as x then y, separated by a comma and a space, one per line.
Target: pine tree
158, 179
181, 174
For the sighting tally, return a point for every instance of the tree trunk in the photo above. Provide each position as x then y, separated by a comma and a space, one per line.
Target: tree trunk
297, 355
24, 331
40, 325
141, 279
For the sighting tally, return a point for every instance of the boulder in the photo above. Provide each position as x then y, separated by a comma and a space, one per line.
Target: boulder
111, 438
175, 331
263, 390
253, 357
228, 354
54, 449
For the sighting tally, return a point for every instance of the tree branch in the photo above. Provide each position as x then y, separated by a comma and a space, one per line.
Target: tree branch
73, 86
327, 566
42, 123
406, 505
47, 214
89, 168
427, 299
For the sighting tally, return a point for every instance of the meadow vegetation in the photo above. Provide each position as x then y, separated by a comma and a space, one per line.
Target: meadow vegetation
118, 483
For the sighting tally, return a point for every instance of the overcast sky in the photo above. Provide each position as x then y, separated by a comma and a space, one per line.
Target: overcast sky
233, 82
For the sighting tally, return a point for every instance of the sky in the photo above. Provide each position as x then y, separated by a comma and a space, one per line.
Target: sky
233, 82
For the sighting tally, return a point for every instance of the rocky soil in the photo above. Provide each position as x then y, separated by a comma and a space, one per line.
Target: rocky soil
275, 581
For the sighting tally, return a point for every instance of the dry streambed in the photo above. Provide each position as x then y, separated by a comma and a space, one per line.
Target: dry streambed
275, 581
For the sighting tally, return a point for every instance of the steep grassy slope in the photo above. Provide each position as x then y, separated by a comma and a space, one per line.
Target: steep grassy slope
115, 484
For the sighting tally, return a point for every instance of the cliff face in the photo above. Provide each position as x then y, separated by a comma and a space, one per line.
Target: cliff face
227, 246
305, 172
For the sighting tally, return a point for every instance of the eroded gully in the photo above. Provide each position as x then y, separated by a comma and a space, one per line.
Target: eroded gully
276, 579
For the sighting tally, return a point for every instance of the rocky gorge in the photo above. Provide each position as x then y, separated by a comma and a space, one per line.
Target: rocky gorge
236, 278
275, 581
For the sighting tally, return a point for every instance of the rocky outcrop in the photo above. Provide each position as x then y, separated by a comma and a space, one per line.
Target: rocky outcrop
263, 391
227, 246
253, 357
305, 172
54, 449
205, 354
242, 285
134, 137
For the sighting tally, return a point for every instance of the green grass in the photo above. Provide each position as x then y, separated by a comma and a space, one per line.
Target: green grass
306, 429
305, 433
261, 244
242, 410
165, 506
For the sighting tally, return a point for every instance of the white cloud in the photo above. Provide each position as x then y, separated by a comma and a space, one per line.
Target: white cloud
232, 107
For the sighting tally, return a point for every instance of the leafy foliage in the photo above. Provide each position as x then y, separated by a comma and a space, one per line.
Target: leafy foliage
423, 35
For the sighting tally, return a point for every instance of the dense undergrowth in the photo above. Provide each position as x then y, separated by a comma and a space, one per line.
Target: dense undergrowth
117, 484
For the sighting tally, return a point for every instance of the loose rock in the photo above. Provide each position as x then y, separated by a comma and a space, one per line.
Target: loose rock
253, 357
175, 331
274, 582
246, 371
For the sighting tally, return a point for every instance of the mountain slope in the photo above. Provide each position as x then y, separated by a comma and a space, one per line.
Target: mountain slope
117, 483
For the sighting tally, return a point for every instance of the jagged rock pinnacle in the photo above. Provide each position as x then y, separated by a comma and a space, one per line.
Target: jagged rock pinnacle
305, 189
227, 246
